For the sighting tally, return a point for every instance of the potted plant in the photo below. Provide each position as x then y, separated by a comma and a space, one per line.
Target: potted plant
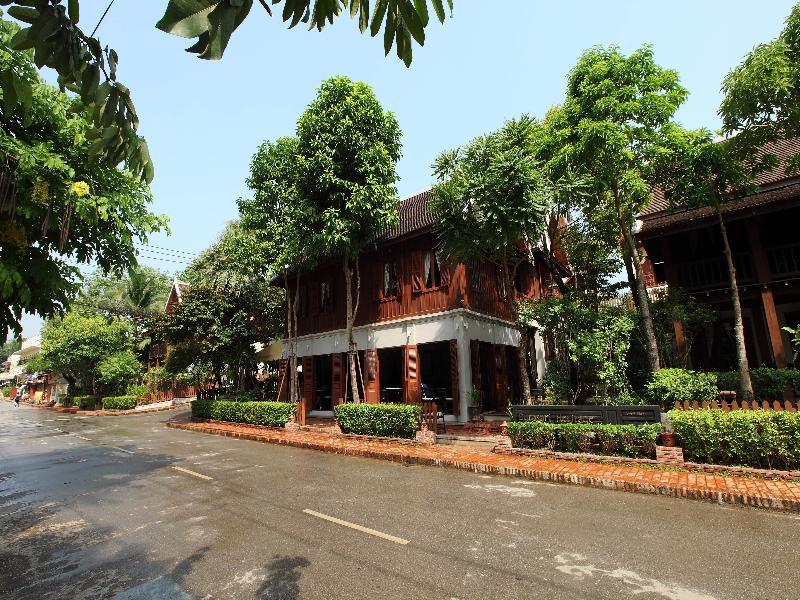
475, 405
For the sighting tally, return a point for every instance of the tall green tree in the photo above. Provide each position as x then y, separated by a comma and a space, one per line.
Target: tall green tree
612, 127
278, 217
76, 345
697, 172
347, 150
140, 293
761, 100
490, 198
59, 206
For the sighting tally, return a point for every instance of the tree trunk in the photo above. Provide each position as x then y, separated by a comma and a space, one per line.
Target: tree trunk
351, 344
525, 383
555, 273
738, 323
293, 342
627, 259
639, 290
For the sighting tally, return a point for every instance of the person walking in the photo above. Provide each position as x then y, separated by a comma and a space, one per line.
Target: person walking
16, 400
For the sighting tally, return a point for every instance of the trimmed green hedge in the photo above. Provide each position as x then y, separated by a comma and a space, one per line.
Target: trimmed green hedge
756, 438
85, 402
636, 441
274, 414
65, 401
384, 420
119, 402
670, 385
768, 382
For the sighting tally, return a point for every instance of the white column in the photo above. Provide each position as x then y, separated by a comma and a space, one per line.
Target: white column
464, 368
541, 363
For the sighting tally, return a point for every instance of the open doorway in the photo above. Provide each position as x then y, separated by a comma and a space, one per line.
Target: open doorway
390, 367
322, 383
435, 376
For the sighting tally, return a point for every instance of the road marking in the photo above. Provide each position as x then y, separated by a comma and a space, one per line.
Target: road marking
121, 449
360, 528
187, 471
80, 437
62, 418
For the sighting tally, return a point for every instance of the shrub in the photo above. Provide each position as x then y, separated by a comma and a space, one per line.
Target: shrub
274, 414
384, 420
140, 391
65, 401
119, 402
119, 369
247, 396
768, 382
670, 385
756, 438
85, 402
623, 440
6, 391
728, 381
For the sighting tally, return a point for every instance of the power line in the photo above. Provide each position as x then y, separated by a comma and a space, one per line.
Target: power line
105, 12
168, 250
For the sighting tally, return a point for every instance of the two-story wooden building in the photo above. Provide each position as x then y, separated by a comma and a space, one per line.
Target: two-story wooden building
684, 250
424, 328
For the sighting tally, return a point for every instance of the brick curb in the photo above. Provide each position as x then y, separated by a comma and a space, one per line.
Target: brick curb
105, 413
754, 497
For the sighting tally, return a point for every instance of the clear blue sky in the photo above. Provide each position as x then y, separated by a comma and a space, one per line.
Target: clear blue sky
493, 60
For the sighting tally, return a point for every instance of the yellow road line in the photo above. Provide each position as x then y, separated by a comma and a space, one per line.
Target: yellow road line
360, 528
188, 472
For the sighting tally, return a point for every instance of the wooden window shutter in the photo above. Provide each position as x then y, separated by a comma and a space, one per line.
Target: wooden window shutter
416, 272
444, 269
456, 390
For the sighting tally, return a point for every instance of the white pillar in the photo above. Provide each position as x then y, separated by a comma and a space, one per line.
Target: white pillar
541, 363
464, 368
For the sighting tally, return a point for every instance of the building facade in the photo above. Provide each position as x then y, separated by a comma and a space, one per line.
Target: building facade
684, 250
425, 329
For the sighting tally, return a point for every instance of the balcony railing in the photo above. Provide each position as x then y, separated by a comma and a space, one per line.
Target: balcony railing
713, 272
784, 260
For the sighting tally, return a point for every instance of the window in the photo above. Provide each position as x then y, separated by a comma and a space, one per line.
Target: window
325, 297
476, 275
391, 284
501, 284
433, 270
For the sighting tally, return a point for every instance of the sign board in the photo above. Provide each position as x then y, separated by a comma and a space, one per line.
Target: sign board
566, 413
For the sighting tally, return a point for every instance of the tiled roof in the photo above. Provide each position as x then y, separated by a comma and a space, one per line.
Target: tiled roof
414, 216
657, 214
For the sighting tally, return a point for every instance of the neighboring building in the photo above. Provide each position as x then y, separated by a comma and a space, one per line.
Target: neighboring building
684, 250
424, 328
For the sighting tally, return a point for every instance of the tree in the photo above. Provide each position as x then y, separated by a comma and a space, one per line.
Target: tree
611, 128
76, 345
278, 217
699, 172
347, 150
119, 370
141, 293
761, 100
490, 203
58, 206
8, 348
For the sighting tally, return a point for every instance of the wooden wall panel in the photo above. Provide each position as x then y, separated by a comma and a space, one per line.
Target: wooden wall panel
337, 379
411, 360
454, 383
371, 383
307, 388
283, 380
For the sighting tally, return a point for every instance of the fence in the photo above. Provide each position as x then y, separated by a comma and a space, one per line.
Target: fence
186, 391
776, 405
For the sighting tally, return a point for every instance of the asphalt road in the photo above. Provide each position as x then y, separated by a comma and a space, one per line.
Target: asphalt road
124, 508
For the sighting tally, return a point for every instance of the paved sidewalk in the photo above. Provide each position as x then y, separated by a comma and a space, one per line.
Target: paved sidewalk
780, 495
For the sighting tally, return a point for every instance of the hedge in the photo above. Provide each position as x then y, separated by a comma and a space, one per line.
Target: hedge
670, 385
768, 382
85, 402
384, 420
621, 440
65, 401
119, 402
275, 414
756, 438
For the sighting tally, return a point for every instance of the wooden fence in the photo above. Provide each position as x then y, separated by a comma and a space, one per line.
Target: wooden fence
777, 405
429, 415
187, 391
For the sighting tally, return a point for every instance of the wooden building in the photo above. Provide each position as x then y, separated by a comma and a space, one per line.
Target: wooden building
425, 329
684, 250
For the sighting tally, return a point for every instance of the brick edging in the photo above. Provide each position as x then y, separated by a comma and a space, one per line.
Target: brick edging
721, 497
769, 474
105, 413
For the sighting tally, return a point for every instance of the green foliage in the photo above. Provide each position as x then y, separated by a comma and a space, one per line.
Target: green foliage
768, 382
383, 420
668, 386
5, 391
213, 22
76, 345
55, 40
760, 101
142, 292
347, 150
84, 402
595, 341
623, 440
678, 306
490, 195
136, 390
247, 396
118, 370
756, 438
119, 402
65, 401
795, 333
57, 221
9, 348
273, 414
